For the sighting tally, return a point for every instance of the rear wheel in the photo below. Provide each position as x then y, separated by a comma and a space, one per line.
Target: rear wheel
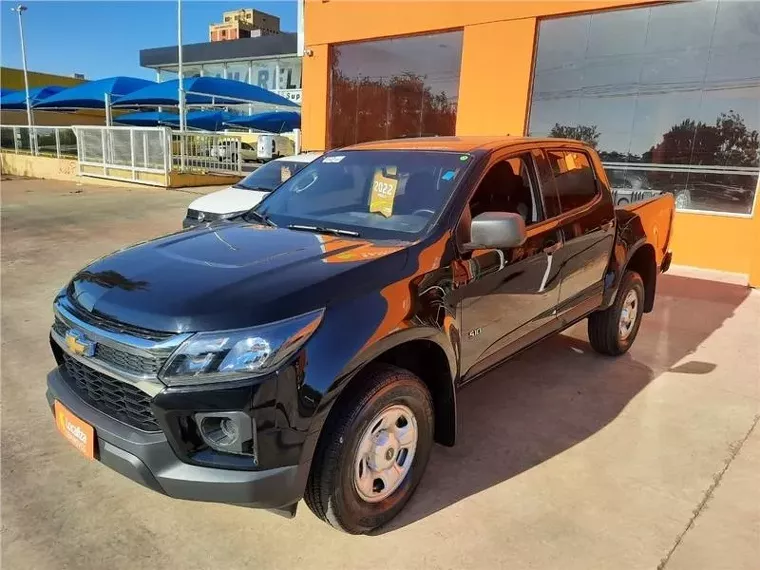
613, 330
373, 451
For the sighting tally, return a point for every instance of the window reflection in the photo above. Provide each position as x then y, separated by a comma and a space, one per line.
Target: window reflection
668, 95
394, 88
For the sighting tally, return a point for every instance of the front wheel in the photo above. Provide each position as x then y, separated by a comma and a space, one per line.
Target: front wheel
373, 451
613, 330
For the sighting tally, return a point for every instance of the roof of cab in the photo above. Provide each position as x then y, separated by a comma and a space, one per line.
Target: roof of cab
455, 144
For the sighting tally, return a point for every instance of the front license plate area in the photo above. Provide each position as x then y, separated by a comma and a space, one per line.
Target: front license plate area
78, 432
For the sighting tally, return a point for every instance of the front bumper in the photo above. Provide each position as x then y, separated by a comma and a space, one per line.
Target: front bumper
190, 223
147, 458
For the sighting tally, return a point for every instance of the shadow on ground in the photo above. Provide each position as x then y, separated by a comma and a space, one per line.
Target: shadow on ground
560, 392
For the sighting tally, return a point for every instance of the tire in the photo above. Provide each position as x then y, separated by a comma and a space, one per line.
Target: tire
332, 491
606, 329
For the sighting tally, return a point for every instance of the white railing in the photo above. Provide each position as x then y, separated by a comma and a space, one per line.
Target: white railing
59, 142
206, 152
134, 154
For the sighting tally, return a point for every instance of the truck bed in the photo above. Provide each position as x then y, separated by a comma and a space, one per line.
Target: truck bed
654, 217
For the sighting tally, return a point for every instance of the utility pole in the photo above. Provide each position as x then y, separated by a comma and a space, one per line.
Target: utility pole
32, 137
181, 94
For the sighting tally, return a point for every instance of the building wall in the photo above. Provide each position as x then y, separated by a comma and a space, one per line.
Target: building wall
494, 31
12, 78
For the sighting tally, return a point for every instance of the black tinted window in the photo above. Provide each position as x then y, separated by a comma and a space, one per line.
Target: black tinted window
270, 175
574, 178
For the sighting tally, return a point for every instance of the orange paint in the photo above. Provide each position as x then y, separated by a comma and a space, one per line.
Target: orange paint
336, 21
477, 113
398, 295
314, 99
718, 242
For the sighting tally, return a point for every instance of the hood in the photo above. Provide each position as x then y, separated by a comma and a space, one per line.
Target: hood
231, 275
228, 201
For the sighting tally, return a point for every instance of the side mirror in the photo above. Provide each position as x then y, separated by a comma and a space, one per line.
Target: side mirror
496, 230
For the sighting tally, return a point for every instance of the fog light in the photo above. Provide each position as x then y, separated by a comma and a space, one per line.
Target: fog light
230, 432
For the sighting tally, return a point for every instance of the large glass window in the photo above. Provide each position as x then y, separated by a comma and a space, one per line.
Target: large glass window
394, 88
668, 95
238, 70
213, 70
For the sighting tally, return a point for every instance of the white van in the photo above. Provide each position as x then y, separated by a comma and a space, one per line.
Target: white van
273, 146
247, 193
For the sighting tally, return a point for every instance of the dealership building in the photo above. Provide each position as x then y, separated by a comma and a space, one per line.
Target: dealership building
668, 94
269, 61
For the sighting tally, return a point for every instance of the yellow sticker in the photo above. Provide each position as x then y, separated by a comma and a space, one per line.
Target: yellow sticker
284, 173
383, 191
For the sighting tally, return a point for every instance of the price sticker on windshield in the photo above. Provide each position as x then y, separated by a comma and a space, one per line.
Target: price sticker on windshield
384, 185
284, 173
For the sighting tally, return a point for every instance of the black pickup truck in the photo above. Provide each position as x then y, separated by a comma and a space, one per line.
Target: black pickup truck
313, 347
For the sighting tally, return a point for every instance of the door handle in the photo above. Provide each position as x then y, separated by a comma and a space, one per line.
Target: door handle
553, 248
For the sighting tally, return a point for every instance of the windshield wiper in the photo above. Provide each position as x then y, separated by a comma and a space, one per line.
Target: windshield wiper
259, 217
254, 188
321, 230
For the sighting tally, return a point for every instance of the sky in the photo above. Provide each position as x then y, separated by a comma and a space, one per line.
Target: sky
103, 38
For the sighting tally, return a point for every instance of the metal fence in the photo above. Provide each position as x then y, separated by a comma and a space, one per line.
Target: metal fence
207, 152
59, 142
136, 154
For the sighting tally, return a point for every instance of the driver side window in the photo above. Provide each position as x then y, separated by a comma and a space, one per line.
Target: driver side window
509, 186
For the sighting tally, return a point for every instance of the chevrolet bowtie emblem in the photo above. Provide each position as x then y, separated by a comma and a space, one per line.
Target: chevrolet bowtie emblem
79, 344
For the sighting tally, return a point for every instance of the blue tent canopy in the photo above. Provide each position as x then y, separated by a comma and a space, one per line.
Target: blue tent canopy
205, 120
92, 95
4, 91
147, 119
17, 99
271, 122
203, 91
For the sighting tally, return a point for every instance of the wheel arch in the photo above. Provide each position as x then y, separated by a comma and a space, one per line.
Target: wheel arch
427, 353
640, 258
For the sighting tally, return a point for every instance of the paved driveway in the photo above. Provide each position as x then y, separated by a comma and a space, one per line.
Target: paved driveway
566, 459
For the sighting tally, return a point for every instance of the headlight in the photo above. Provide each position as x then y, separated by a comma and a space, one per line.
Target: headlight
228, 355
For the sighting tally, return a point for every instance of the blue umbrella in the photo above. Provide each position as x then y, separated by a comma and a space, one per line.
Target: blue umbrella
92, 95
204, 120
17, 99
203, 91
147, 119
271, 122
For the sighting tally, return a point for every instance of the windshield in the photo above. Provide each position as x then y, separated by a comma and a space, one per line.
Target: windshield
375, 194
269, 176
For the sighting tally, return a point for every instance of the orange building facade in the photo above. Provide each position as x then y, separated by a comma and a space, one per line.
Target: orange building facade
667, 93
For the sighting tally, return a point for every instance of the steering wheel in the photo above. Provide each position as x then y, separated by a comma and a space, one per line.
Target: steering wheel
423, 211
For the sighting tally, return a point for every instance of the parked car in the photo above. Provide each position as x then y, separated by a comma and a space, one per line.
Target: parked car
314, 348
227, 150
629, 186
269, 146
244, 195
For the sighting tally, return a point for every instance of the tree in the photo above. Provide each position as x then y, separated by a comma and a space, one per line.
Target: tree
586, 133
728, 143
371, 108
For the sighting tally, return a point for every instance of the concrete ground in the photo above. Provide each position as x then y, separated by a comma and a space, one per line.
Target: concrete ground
565, 460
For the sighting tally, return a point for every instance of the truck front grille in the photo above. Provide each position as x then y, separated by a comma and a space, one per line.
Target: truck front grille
117, 358
113, 397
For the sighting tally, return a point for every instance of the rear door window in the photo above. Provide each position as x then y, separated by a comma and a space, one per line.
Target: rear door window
574, 178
